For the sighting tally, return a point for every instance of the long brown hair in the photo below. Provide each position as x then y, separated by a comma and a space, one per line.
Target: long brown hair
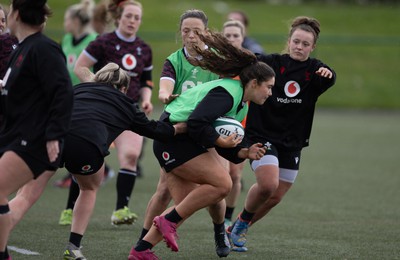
224, 59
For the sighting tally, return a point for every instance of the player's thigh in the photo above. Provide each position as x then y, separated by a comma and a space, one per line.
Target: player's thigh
178, 187
128, 142
92, 181
204, 169
14, 173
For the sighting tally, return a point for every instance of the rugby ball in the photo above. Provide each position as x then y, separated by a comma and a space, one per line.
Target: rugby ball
225, 126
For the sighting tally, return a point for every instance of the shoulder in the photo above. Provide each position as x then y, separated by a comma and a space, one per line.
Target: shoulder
92, 36
42, 44
252, 45
269, 58
105, 37
7, 42
316, 62
173, 57
67, 37
101, 42
141, 42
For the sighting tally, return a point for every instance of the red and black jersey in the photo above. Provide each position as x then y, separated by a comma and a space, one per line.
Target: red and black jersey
7, 44
134, 56
286, 118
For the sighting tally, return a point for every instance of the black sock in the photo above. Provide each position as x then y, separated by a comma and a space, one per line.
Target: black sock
75, 239
246, 216
125, 183
143, 245
173, 216
229, 213
144, 232
6, 255
219, 228
73, 194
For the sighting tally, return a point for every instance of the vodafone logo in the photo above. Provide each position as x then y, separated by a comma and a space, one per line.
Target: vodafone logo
129, 61
165, 156
71, 59
292, 88
86, 168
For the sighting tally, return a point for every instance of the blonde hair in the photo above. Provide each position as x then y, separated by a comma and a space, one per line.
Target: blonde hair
234, 23
102, 16
83, 11
112, 74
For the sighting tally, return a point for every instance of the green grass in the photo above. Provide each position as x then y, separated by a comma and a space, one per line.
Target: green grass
361, 42
344, 204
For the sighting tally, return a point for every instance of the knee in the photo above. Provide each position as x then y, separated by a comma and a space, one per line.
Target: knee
163, 195
130, 157
235, 176
89, 187
267, 188
274, 200
225, 188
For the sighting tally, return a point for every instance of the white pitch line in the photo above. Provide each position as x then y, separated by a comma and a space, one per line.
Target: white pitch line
22, 251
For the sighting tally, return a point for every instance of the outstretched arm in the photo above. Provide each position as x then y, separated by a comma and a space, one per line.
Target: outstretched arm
82, 68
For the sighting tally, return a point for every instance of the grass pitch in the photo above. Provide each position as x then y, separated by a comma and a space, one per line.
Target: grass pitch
344, 204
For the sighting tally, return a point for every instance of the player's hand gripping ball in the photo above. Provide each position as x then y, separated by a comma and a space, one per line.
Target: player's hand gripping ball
226, 126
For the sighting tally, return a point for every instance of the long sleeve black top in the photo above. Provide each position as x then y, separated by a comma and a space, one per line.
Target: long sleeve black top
285, 119
200, 123
102, 112
37, 97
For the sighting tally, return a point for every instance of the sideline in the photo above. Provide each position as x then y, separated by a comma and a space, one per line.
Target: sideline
22, 251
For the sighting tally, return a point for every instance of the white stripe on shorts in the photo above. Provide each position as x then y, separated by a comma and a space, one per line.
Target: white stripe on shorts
286, 175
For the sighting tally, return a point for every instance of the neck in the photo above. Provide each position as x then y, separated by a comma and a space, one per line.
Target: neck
128, 38
192, 52
80, 33
25, 31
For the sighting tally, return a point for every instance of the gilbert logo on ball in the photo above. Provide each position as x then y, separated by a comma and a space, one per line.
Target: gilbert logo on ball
225, 126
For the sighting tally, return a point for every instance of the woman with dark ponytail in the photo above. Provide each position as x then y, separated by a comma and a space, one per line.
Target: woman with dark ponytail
195, 177
36, 106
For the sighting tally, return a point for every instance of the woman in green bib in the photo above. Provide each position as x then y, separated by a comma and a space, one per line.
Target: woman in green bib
195, 176
177, 76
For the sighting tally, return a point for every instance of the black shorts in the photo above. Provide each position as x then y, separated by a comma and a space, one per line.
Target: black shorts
37, 165
287, 159
81, 156
177, 151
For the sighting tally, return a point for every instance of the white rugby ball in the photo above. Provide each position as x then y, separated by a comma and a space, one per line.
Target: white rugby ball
225, 126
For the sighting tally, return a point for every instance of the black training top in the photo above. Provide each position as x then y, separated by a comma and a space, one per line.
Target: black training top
101, 113
36, 100
285, 119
